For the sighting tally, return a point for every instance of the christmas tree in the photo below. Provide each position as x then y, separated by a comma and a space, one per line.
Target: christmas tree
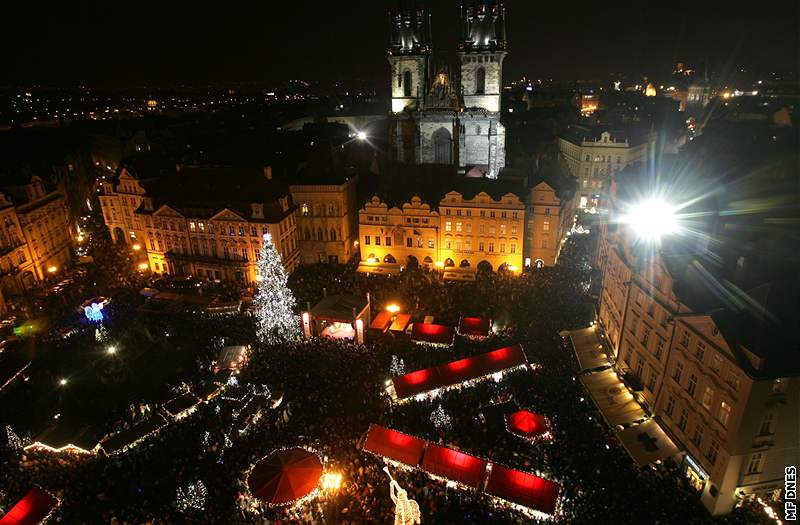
274, 301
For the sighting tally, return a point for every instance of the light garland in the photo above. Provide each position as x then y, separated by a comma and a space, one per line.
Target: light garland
545, 436
293, 505
193, 497
274, 301
398, 366
13, 440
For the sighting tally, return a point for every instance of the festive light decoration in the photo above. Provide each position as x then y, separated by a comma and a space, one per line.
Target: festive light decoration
331, 481
398, 366
232, 381
406, 511
101, 334
274, 301
439, 418
94, 312
13, 440
192, 497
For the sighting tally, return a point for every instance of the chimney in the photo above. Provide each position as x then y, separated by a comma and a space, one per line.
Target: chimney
268, 172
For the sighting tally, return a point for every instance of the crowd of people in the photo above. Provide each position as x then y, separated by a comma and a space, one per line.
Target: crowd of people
333, 390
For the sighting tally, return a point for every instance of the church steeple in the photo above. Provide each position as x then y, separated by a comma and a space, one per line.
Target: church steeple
409, 52
483, 26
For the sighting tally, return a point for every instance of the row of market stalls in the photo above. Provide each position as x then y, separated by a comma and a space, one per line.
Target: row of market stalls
515, 487
35, 507
639, 433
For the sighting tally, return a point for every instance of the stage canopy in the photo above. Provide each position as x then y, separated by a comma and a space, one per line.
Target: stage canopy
285, 476
394, 445
527, 424
432, 334
474, 326
454, 465
588, 349
31, 509
458, 372
523, 489
615, 403
342, 308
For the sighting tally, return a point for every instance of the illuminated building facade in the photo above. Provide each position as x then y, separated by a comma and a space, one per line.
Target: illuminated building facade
440, 119
716, 379
203, 222
548, 218
594, 155
326, 220
35, 234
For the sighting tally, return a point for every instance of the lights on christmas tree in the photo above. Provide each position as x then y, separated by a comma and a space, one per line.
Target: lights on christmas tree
233, 381
13, 440
192, 497
274, 301
398, 366
439, 418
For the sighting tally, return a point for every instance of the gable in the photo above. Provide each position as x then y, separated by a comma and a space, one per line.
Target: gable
227, 215
704, 325
167, 211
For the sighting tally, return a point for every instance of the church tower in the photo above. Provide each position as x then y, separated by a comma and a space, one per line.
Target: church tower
409, 53
481, 52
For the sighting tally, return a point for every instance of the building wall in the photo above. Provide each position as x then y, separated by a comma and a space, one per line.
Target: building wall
326, 221
492, 65
118, 203
385, 233
547, 222
398, 66
483, 141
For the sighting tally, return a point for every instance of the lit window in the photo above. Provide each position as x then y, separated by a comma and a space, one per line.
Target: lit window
192, 226
708, 397
448, 226
754, 467
724, 413
458, 226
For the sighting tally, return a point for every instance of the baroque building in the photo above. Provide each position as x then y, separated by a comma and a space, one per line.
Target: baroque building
441, 116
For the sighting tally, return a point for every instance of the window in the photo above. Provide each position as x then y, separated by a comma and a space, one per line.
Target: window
431, 243
683, 419
388, 241
766, 424
651, 383
377, 240
447, 244
779, 386
713, 451
458, 213
409, 242
491, 247
448, 226
685, 339
491, 229
716, 363
447, 211
659, 347
458, 226
152, 245
733, 379
697, 437
513, 248
502, 229
546, 226
304, 210
468, 245
678, 372
253, 231
754, 467
419, 242
546, 212
640, 369
724, 413
502, 247
634, 325
366, 240
503, 215
645, 336
670, 406
692, 385
333, 234
480, 81
406, 83
480, 246
708, 397
192, 226
468, 227
701, 351
513, 230
231, 230
544, 243
491, 214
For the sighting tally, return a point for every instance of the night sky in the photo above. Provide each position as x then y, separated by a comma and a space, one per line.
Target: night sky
113, 43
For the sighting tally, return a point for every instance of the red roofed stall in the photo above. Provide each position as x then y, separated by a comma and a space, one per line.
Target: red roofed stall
523, 489
394, 445
33, 508
381, 322
433, 334
454, 465
477, 327
458, 372
527, 424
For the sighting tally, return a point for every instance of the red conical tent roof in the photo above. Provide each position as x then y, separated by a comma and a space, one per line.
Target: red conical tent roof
527, 424
285, 476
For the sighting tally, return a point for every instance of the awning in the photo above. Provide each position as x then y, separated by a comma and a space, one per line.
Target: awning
459, 274
523, 489
527, 424
343, 308
381, 321
434, 334
454, 465
458, 372
400, 323
394, 445
33, 508
377, 268
126, 438
474, 326
588, 349
179, 406
614, 401
285, 476
647, 443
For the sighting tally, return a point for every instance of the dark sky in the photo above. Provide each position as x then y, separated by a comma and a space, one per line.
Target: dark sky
140, 42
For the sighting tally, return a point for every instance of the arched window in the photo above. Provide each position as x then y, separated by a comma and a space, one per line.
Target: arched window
407, 83
480, 81
389, 259
333, 234
449, 263
427, 260
305, 209
442, 146
320, 235
464, 264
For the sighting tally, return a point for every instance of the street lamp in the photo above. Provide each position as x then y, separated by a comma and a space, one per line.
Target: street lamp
393, 308
111, 350
651, 219
143, 266
137, 247
52, 269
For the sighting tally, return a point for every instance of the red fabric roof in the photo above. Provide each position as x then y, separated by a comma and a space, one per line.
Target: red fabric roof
474, 326
454, 465
526, 424
523, 488
438, 334
381, 321
394, 445
285, 476
31, 509
458, 372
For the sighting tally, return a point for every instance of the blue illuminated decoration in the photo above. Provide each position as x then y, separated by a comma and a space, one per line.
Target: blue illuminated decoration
94, 312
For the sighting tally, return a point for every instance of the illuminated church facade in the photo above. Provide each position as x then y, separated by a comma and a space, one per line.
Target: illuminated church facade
440, 117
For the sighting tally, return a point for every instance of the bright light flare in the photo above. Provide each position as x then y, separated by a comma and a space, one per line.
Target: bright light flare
111, 350
331, 481
361, 135
651, 219
393, 308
